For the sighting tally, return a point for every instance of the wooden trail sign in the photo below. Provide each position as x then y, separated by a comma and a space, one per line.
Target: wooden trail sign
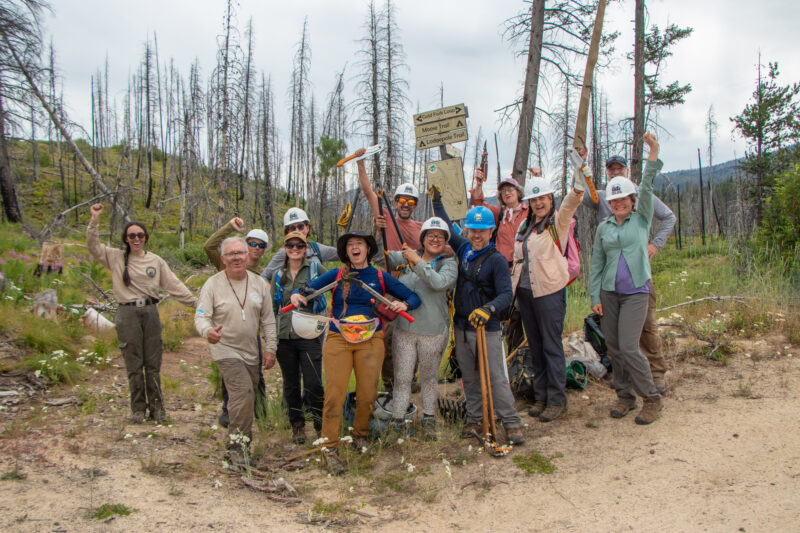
440, 114
442, 126
431, 141
448, 175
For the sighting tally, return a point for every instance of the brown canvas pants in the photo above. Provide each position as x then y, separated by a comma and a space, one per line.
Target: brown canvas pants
339, 359
139, 335
242, 382
650, 340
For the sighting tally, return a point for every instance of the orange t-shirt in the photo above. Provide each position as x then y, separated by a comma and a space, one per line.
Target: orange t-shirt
410, 229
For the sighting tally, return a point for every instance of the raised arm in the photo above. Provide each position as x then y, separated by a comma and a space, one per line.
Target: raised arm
456, 240
645, 206
211, 246
98, 250
366, 187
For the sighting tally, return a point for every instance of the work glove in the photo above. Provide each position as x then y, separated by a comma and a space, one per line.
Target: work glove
435, 193
581, 177
480, 316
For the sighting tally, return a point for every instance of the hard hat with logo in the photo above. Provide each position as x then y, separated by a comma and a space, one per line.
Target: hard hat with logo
406, 189
294, 215
619, 187
309, 326
434, 223
479, 217
259, 234
536, 187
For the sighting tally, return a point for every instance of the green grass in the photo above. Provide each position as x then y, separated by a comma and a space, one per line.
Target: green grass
536, 463
109, 509
15, 474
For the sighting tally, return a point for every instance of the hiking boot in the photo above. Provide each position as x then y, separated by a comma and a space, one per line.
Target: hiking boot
159, 414
552, 412
660, 383
429, 428
622, 408
514, 436
224, 419
467, 431
236, 459
333, 463
537, 409
298, 433
649, 412
137, 418
362, 444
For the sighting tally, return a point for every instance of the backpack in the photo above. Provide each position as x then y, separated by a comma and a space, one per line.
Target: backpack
594, 336
318, 305
573, 251
476, 269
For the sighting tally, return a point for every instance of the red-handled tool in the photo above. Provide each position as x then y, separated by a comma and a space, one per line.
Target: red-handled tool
313, 295
381, 298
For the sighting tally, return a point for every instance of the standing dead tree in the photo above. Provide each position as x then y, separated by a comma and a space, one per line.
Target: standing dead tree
299, 91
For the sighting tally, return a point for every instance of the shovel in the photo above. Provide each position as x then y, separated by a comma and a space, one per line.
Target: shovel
313, 295
579, 163
372, 150
488, 427
381, 298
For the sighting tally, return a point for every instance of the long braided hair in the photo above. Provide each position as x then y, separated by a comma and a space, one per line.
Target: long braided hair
344, 272
126, 277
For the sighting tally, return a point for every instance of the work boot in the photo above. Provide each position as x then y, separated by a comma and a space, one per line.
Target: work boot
159, 414
467, 431
429, 428
514, 436
298, 433
622, 408
552, 412
649, 412
236, 459
137, 417
224, 419
333, 463
362, 444
536, 409
660, 383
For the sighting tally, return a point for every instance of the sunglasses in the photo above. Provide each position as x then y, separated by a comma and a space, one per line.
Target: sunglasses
295, 227
132, 236
254, 244
298, 245
410, 201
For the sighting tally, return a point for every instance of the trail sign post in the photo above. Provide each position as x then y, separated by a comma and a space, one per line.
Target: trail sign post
440, 127
440, 114
448, 175
431, 141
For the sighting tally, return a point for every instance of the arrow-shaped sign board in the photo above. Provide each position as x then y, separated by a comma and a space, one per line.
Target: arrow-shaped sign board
441, 126
432, 141
440, 114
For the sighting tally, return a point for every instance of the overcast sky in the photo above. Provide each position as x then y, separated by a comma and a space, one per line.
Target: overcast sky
454, 43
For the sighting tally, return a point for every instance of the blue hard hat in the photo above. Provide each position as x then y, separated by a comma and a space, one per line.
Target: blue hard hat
479, 217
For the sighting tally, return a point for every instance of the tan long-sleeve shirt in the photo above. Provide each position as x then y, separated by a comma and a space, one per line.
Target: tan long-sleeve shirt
149, 273
220, 303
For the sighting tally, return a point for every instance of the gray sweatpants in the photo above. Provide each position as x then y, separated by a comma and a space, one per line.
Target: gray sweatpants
623, 318
467, 356
408, 349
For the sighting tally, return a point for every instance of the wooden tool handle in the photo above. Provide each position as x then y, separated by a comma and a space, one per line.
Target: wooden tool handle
346, 159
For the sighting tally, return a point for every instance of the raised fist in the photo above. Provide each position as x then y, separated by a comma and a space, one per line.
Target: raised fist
96, 210
238, 224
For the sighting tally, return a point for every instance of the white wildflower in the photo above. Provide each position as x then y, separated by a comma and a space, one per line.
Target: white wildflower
347, 438
319, 441
214, 427
402, 459
363, 450
400, 441
410, 467
217, 484
127, 436
351, 489
198, 407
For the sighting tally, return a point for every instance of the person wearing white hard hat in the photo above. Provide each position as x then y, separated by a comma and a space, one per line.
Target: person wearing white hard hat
295, 219
619, 286
663, 222
430, 272
299, 356
257, 242
539, 275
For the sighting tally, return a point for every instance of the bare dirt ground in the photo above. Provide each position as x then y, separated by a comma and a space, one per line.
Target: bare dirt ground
724, 456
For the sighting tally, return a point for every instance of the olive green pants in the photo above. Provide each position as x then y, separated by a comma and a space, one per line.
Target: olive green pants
139, 334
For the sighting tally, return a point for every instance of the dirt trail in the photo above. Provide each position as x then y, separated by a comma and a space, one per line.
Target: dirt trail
724, 456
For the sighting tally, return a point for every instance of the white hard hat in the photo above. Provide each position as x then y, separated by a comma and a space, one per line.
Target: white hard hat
619, 187
309, 326
435, 223
406, 189
294, 215
536, 187
259, 234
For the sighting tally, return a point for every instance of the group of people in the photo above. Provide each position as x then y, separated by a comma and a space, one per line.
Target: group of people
506, 262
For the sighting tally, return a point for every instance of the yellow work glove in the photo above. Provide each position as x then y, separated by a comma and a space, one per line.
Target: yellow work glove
480, 316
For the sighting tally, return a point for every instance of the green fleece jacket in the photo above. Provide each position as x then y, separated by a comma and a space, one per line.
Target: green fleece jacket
629, 239
282, 298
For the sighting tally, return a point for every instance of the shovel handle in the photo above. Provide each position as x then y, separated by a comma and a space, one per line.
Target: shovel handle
592, 191
345, 160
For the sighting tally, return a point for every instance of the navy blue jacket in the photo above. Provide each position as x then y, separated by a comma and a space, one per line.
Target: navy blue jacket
494, 278
359, 300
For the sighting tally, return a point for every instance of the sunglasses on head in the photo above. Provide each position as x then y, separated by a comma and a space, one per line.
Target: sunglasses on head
298, 245
254, 244
410, 201
295, 227
132, 236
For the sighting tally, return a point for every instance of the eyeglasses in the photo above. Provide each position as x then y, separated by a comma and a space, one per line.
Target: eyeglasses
234, 254
410, 201
298, 245
295, 227
132, 236
434, 237
254, 244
